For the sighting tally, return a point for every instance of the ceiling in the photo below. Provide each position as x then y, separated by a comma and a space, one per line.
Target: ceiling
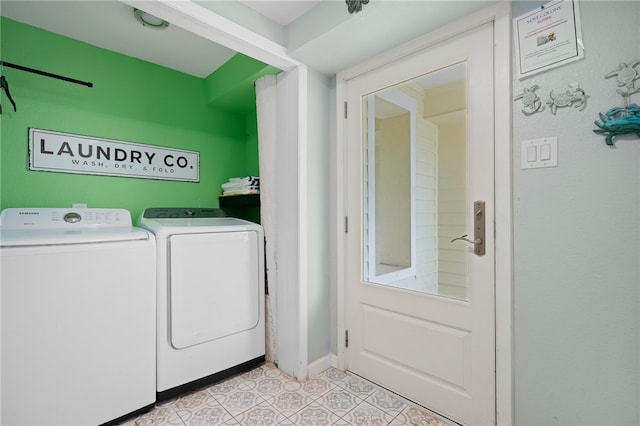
111, 25
281, 12
319, 33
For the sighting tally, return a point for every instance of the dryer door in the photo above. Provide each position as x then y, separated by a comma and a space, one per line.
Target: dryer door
214, 286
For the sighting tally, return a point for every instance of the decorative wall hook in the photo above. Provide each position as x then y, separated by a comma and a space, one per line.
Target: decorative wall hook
530, 100
5, 86
573, 95
626, 76
355, 6
623, 120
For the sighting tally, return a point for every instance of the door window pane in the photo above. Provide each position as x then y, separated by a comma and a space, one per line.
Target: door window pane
415, 184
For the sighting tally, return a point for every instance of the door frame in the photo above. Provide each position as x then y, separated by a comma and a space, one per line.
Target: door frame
500, 15
402, 100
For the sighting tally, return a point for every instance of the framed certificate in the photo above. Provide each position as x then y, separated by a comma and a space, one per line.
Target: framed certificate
548, 37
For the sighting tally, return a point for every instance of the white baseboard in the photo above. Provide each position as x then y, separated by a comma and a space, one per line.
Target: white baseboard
321, 364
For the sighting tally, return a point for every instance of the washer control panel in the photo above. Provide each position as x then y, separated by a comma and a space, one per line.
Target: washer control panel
54, 218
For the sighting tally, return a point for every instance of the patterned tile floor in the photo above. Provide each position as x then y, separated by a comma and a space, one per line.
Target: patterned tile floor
267, 396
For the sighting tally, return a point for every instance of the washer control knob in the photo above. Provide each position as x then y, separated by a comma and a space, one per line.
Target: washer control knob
72, 217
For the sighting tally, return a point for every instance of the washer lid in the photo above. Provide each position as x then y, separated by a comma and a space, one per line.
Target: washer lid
48, 237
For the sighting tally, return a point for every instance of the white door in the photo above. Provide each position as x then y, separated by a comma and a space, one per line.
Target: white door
420, 309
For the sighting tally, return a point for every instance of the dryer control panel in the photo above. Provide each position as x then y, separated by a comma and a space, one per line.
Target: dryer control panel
182, 213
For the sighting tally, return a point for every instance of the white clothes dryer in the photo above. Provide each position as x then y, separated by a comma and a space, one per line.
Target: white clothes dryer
78, 316
210, 296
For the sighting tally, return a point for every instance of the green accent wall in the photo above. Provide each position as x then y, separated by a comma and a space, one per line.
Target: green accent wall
231, 86
252, 164
132, 101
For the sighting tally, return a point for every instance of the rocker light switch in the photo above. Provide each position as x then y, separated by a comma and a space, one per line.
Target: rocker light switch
539, 153
545, 152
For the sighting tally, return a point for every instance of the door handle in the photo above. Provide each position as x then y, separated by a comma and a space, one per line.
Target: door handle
478, 229
464, 238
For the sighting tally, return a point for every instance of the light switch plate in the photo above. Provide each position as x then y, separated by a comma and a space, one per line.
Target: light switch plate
546, 153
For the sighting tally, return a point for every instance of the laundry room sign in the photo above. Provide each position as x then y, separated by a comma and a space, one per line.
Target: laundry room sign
69, 153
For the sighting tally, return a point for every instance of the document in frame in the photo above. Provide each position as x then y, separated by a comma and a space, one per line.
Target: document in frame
548, 37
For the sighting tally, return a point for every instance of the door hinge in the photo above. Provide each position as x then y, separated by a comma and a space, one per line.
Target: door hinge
346, 338
346, 224
345, 109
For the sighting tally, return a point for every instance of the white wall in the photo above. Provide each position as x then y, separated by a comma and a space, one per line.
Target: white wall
576, 236
452, 208
426, 203
318, 209
576, 243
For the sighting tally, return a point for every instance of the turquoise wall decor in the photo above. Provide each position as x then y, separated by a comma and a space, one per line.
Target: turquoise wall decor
623, 120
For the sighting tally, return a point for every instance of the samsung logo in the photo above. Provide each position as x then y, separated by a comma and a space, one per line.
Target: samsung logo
28, 213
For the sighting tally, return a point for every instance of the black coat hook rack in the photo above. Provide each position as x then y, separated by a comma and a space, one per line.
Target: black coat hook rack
46, 74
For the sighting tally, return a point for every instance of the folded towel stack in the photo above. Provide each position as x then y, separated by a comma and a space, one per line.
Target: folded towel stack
242, 185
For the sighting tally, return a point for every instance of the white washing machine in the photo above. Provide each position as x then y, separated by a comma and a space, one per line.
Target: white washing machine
78, 316
210, 296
